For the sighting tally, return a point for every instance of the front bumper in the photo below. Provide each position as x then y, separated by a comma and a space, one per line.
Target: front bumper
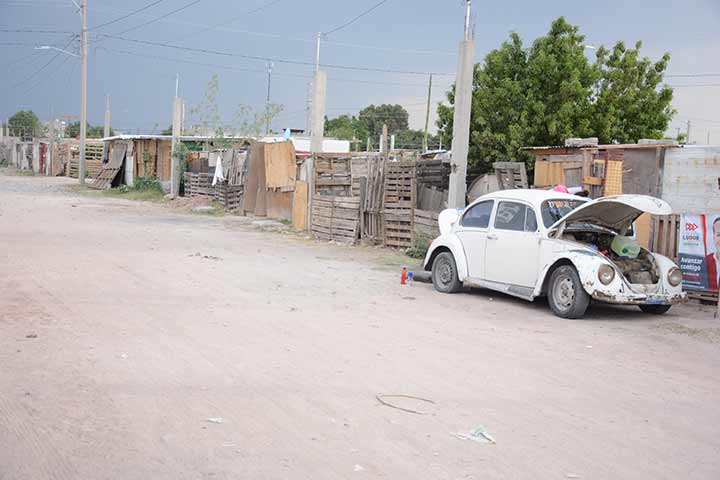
641, 298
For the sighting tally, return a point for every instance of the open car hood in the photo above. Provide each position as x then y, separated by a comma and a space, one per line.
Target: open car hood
616, 213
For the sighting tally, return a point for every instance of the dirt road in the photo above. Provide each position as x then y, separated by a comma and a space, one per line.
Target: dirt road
125, 327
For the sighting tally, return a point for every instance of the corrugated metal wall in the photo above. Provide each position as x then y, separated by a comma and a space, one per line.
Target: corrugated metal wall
691, 179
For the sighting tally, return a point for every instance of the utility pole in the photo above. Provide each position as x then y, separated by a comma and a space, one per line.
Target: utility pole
687, 139
176, 122
384, 139
106, 130
267, 99
317, 127
708, 140
49, 159
427, 116
461, 118
83, 93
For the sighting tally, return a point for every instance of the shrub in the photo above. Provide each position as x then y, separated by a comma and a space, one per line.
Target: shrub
143, 184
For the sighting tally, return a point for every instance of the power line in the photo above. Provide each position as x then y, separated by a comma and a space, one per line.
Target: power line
269, 59
63, 32
691, 75
127, 15
180, 9
250, 70
43, 67
696, 85
355, 19
234, 19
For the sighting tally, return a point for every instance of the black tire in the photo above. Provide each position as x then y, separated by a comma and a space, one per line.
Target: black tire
655, 309
444, 274
566, 295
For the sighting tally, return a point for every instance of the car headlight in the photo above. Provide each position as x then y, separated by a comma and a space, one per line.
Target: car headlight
606, 274
674, 277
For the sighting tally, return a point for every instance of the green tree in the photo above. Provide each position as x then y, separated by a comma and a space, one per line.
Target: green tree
24, 122
551, 91
346, 127
395, 116
631, 102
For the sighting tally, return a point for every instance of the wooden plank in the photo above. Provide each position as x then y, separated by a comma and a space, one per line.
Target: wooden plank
592, 181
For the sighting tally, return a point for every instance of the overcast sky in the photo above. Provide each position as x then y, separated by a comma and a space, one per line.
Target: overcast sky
402, 35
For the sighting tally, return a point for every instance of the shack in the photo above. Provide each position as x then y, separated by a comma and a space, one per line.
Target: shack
150, 155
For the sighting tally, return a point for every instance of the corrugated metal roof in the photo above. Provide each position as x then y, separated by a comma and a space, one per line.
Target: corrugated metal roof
184, 138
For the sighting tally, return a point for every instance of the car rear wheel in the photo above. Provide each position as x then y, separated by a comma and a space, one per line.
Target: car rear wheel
444, 274
655, 309
567, 297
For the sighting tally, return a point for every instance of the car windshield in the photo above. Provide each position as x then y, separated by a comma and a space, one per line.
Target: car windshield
554, 210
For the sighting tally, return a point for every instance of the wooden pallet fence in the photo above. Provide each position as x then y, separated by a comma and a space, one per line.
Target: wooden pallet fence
336, 218
230, 196
665, 235
433, 173
399, 204
93, 160
511, 175
373, 201
426, 224
333, 176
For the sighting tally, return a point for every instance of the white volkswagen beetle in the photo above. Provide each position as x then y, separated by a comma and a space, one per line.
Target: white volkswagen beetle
530, 243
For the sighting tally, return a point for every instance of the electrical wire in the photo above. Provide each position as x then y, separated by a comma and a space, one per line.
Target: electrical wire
692, 75
180, 9
41, 68
355, 19
270, 59
232, 20
63, 32
127, 15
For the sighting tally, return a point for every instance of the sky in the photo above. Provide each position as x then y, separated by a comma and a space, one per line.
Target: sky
417, 37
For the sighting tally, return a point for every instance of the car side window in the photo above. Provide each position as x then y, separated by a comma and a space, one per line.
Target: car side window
531, 224
478, 216
511, 216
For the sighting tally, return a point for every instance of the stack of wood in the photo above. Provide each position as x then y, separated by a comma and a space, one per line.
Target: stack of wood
399, 204
336, 218
93, 160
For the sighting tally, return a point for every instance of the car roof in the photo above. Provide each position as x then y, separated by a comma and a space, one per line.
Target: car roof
532, 196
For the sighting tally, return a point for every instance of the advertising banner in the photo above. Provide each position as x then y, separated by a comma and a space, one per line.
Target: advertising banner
698, 251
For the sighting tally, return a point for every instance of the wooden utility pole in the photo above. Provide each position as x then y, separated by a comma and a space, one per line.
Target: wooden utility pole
427, 116
83, 93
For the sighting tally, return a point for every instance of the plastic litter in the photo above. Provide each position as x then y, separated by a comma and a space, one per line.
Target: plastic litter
626, 247
358, 468
215, 420
479, 435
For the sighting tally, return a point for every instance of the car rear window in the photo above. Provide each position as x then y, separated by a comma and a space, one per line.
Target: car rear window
554, 210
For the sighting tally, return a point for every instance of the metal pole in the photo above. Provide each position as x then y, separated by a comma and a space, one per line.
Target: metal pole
83, 94
427, 116
267, 99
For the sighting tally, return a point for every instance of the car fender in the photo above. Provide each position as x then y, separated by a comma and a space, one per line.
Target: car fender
665, 265
586, 262
452, 243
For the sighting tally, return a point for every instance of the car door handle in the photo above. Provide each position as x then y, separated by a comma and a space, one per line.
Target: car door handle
492, 237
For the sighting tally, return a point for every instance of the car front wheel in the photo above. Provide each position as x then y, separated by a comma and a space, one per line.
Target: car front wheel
444, 274
567, 297
655, 309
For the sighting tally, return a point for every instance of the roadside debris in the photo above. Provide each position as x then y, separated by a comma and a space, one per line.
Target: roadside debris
479, 435
358, 468
381, 396
215, 420
206, 257
32, 335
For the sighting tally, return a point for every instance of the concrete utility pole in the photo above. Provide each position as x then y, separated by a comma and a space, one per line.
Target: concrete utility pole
267, 99
461, 118
83, 93
106, 130
49, 159
176, 122
687, 139
317, 127
384, 139
427, 116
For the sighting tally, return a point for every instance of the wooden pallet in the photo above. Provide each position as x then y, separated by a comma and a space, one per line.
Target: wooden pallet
399, 204
511, 175
704, 297
426, 224
336, 218
103, 180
